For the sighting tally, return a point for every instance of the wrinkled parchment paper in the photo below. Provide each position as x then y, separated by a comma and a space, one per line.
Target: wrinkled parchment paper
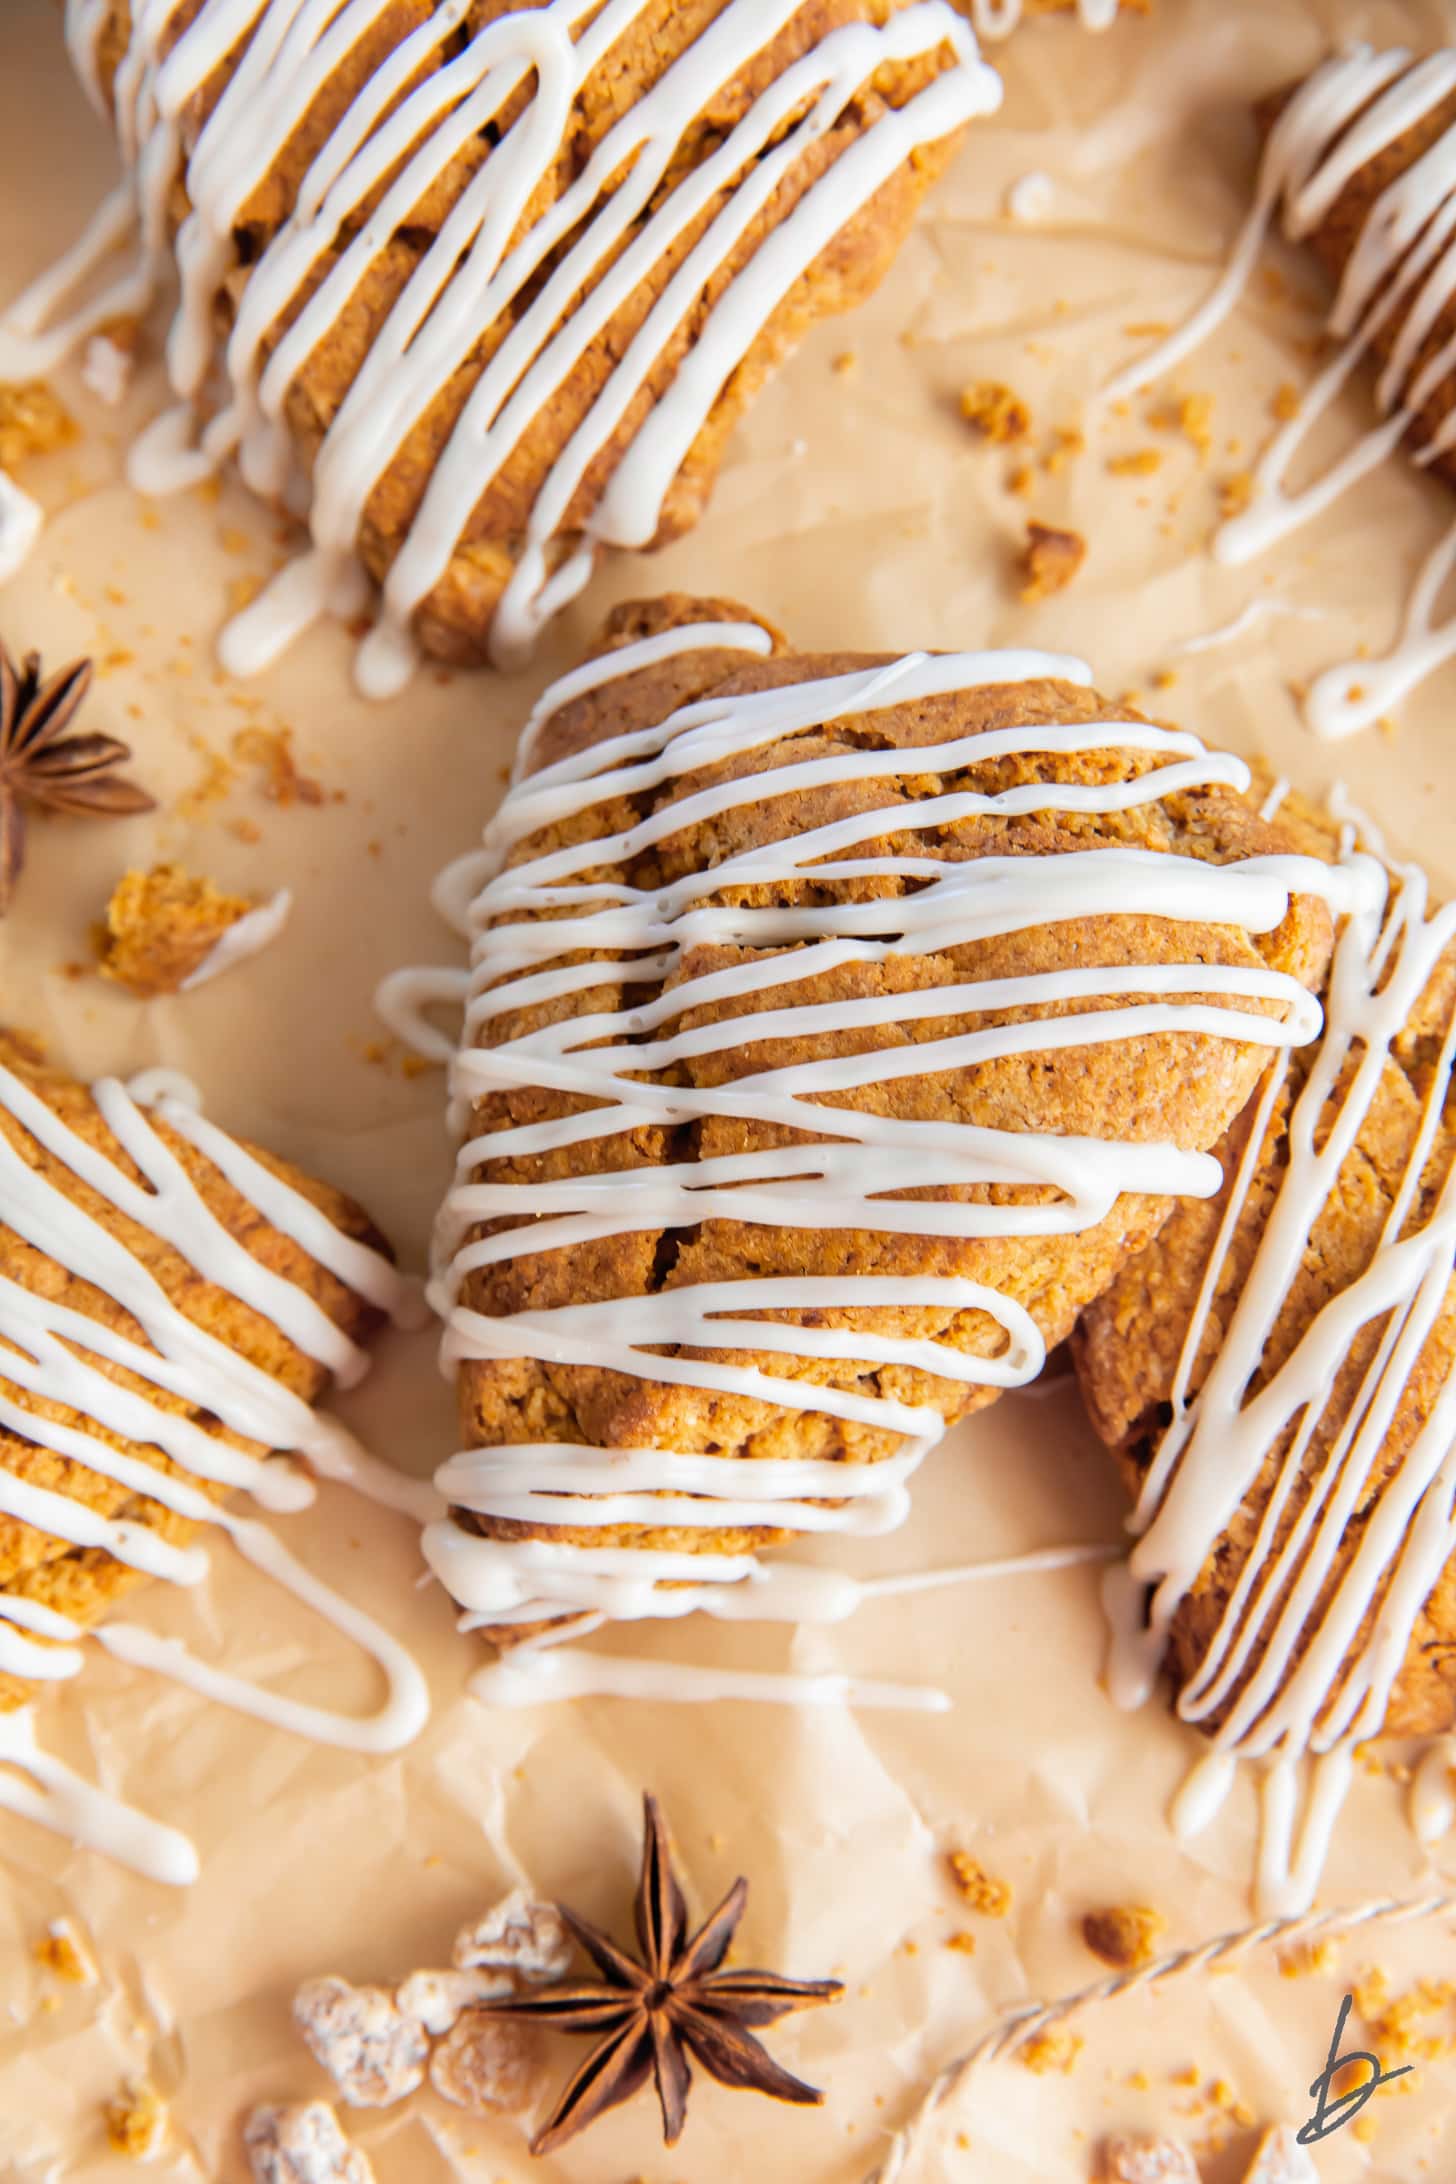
856, 508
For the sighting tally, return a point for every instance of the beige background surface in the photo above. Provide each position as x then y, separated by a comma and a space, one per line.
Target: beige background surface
855, 508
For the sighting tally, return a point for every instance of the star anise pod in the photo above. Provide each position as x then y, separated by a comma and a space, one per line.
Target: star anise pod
41, 765
653, 2014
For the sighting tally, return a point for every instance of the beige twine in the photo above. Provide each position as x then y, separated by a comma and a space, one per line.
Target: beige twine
1018, 2026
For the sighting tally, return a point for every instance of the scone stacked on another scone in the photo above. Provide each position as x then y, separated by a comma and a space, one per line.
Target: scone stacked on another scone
1276, 1372
172, 1304
838, 1026
998, 18
486, 289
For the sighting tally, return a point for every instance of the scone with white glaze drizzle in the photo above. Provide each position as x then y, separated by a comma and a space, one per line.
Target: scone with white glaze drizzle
1021, 958
172, 1304
485, 289
1275, 1370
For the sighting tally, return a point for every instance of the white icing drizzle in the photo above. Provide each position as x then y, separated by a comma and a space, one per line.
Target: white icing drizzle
1290, 1670
246, 936
1433, 1791
1031, 196
556, 274
1250, 617
53, 1355
1403, 268
998, 18
842, 1183
20, 526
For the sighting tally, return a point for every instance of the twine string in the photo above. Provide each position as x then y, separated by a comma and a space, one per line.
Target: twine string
1015, 2028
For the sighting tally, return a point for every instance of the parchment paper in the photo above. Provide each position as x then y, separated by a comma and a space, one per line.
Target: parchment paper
856, 508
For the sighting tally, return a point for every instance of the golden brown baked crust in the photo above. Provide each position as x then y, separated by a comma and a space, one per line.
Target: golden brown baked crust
1181, 1086
1332, 243
1129, 1342
83, 1582
454, 620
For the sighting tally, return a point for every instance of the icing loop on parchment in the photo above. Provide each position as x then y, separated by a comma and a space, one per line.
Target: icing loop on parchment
531, 918
553, 269
1402, 270
53, 1355
1302, 1662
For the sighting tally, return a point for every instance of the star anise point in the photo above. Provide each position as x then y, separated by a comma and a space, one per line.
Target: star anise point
43, 766
673, 2004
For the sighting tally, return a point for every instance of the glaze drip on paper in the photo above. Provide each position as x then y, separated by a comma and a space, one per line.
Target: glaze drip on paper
553, 271
1402, 269
1301, 1668
52, 1355
554, 911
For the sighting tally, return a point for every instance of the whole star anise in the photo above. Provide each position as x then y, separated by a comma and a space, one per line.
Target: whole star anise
40, 764
652, 2015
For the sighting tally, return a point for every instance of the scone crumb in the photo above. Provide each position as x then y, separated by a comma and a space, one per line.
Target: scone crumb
1235, 494
1284, 403
995, 412
1306, 1957
33, 421
1146, 2161
1192, 415
161, 926
62, 1950
136, 2121
1124, 1935
1050, 559
964, 1941
845, 365
982, 1891
1067, 441
1141, 462
485, 2065
1048, 2051
302, 2144
1395, 2022
271, 751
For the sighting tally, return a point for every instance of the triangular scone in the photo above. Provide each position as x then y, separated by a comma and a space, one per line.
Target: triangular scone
1276, 1371
483, 290
171, 1306
798, 852
1361, 160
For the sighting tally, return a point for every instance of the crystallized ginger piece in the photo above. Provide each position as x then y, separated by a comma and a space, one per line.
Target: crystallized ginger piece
374, 2053
302, 2144
485, 2065
1280, 2159
1123, 1936
1146, 2161
1049, 560
516, 1935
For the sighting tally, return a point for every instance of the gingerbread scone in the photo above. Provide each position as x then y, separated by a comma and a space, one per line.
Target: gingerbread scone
172, 1304
1275, 1370
1359, 164
1020, 958
998, 18
482, 290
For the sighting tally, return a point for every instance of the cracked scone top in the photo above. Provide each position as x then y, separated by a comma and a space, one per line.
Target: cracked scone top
1276, 1371
1021, 968
172, 1304
482, 290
